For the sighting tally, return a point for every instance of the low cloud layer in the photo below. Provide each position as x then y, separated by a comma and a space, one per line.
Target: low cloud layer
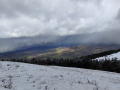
12, 44
106, 37
32, 22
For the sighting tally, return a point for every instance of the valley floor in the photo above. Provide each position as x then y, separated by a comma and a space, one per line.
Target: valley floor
21, 76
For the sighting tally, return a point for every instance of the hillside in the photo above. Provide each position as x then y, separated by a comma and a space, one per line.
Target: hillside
60, 52
21, 76
110, 57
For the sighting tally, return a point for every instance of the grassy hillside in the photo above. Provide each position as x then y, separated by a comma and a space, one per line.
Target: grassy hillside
74, 51
61, 52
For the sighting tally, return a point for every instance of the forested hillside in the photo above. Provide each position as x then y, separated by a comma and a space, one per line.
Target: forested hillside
60, 52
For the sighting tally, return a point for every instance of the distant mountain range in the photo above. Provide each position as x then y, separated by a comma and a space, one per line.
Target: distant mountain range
43, 52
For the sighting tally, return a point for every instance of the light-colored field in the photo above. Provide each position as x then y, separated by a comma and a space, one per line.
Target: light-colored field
57, 51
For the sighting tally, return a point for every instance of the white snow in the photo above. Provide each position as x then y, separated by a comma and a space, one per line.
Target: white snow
21, 76
110, 56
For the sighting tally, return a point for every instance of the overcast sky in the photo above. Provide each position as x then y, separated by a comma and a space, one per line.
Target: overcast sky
20, 18
59, 17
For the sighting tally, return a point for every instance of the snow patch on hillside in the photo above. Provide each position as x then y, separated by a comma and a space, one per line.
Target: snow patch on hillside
117, 55
21, 76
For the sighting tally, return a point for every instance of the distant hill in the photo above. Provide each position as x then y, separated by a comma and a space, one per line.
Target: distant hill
43, 52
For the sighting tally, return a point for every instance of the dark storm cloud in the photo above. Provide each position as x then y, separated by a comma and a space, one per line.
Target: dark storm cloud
11, 44
105, 37
56, 18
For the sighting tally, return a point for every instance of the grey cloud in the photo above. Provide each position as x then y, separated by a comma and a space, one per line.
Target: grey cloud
11, 44
61, 17
91, 20
13, 8
118, 14
105, 37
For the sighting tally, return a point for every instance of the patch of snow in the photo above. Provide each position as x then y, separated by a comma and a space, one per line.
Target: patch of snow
110, 56
22, 76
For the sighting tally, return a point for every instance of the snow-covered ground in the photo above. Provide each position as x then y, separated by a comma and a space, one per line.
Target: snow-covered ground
21, 76
110, 56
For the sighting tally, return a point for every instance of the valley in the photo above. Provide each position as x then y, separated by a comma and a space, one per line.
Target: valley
59, 52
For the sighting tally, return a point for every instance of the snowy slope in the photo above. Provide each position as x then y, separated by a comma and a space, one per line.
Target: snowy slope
110, 56
21, 76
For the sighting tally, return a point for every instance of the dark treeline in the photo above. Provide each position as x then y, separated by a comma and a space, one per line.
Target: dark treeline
105, 53
86, 62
